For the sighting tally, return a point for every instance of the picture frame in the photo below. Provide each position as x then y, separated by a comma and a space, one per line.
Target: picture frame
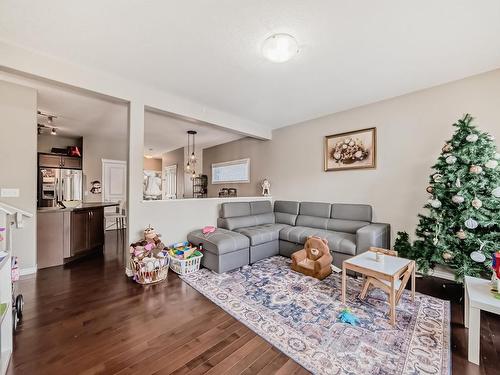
351, 150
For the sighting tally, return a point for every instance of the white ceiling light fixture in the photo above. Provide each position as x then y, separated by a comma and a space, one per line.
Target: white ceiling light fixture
280, 48
149, 155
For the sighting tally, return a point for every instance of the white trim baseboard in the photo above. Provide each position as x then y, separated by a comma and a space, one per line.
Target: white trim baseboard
28, 270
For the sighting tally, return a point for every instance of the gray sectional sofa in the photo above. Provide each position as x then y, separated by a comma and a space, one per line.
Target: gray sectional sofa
251, 231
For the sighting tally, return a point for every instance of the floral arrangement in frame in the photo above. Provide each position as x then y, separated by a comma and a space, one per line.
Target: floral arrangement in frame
351, 150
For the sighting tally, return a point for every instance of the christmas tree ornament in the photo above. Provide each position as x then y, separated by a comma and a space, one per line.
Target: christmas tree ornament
429, 189
491, 164
461, 234
458, 183
457, 199
471, 223
478, 256
497, 156
447, 148
476, 203
435, 240
475, 169
435, 203
451, 159
437, 177
447, 255
472, 138
496, 192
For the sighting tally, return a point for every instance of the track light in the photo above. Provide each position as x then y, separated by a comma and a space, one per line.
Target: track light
53, 131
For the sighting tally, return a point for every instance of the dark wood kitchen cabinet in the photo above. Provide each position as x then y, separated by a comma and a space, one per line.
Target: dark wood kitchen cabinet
87, 230
59, 161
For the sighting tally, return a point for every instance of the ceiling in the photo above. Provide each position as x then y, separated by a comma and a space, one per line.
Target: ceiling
163, 133
78, 113
352, 52
81, 114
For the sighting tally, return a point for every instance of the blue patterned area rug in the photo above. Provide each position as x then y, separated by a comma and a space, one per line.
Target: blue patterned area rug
298, 315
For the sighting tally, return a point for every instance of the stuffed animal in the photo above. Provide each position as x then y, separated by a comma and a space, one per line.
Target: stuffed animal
346, 316
314, 260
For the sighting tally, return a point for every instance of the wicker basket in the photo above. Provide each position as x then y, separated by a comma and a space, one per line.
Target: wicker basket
185, 266
144, 276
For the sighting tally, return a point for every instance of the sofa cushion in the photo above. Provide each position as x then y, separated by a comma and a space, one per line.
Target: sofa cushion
315, 209
286, 212
358, 212
341, 242
289, 207
337, 241
220, 242
235, 209
262, 233
348, 226
260, 207
299, 234
312, 221
233, 223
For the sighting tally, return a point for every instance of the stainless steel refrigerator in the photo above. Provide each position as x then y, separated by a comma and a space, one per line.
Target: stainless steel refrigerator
57, 185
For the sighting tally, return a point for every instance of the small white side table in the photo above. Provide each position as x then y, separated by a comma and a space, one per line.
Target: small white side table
477, 297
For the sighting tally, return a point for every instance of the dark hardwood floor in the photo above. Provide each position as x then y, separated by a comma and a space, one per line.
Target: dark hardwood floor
87, 318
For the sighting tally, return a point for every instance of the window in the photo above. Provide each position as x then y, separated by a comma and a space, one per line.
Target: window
236, 171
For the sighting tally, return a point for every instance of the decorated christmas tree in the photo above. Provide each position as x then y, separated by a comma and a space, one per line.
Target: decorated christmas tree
462, 227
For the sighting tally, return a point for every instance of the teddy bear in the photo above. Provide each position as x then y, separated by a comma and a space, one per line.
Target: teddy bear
314, 259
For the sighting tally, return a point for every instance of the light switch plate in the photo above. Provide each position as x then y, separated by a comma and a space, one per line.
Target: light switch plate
9, 192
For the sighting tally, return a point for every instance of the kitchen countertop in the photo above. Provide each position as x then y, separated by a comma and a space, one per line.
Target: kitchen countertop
82, 206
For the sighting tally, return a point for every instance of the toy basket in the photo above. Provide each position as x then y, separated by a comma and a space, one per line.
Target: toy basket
185, 266
147, 274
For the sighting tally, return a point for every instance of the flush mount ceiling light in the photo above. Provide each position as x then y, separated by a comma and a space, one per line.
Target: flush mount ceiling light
280, 48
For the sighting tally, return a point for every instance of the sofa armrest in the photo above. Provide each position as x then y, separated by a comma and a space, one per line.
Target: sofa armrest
375, 234
324, 261
299, 256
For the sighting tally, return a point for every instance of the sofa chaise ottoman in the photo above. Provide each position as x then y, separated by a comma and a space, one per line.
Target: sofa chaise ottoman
225, 250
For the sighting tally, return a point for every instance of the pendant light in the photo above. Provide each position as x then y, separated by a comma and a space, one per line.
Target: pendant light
191, 163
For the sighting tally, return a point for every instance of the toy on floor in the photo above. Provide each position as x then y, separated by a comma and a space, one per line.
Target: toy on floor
183, 250
346, 316
314, 260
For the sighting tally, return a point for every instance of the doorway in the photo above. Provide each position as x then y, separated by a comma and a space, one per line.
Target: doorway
114, 187
170, 182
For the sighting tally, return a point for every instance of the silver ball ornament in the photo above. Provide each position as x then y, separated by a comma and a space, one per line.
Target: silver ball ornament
457, 199
491, 164
451, 159
496, 192
472, 138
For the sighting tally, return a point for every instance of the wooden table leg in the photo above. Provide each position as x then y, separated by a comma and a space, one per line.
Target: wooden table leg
466, 306
413, 282
474, 331
344, 280
392, 303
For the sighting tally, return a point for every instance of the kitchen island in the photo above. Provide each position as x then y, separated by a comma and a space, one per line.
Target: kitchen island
64, 234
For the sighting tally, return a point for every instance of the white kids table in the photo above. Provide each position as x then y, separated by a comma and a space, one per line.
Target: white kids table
477, 297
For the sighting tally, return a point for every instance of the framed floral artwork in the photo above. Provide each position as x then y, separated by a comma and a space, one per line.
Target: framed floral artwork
351, 150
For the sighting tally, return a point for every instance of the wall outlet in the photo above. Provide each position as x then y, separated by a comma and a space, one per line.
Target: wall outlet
9, 192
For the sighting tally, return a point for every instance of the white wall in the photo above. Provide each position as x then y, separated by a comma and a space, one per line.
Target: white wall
96, 148
18, 145
411, 131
